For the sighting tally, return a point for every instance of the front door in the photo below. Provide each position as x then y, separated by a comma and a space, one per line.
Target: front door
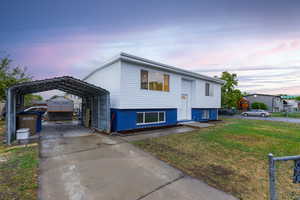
184, 106
184, 111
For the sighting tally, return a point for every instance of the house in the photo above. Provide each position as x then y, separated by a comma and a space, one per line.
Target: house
145, 93
243, 104
291, 105
60, 108
77, 101
273, 102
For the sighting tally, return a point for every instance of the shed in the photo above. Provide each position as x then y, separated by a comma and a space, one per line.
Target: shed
95, 106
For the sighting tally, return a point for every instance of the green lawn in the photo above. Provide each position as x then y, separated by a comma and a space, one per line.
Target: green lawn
18, 171
232, 156
283, 114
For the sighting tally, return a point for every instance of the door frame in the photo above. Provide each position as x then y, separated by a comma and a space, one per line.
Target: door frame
188, 93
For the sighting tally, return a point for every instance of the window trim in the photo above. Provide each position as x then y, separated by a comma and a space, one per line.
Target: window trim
207, 89
210, 92
148, 82
144, 113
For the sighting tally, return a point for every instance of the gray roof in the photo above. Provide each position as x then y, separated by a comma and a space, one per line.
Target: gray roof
142, 61
65, 83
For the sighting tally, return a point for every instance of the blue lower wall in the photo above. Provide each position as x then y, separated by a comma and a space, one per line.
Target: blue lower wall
125, 119
197, 114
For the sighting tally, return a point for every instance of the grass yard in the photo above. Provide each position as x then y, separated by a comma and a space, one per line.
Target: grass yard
18, 171
232, 156
283, 114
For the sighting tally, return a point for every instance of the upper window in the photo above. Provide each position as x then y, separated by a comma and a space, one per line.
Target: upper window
155, 81
144, 79
209, 89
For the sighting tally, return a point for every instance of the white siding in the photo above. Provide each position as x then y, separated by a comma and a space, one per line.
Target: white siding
109, 78
132, 96
122, 80
202, 101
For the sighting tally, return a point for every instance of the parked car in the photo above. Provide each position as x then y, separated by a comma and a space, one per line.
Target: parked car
258, 113
36, 108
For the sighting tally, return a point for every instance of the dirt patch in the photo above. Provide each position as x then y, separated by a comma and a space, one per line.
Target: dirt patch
218, 176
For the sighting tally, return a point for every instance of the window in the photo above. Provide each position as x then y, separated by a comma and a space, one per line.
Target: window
206, 89
150, 117
155, 81
166, 83
144, 79
205, 114
209, 89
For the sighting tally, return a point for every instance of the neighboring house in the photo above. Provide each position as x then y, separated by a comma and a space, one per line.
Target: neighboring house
60, 108
243, 104
145, 93
76, 100
273, 102
291, 105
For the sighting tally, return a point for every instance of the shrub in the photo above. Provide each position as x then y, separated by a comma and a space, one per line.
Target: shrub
259, 105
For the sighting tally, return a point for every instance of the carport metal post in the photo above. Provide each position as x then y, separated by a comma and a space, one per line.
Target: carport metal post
7, 115
272, 178
10, 115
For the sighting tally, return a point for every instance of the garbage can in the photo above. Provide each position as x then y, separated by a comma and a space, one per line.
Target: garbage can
27, 120
39, 115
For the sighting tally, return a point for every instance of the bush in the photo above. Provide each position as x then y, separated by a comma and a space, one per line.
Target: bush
259, 105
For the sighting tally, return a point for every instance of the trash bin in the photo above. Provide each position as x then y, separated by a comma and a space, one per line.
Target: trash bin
27, 120
23, 133
39, 115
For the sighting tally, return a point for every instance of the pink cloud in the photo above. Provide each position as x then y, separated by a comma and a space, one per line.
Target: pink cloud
57, 58
282, 47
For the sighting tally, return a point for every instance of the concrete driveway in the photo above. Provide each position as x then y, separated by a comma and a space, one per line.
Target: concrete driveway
277, 119
79, 165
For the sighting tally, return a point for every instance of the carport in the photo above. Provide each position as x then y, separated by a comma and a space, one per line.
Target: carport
94, 98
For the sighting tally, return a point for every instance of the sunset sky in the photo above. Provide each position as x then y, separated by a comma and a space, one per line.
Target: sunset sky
259, 40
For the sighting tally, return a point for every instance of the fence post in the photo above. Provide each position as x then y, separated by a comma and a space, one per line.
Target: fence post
272, 178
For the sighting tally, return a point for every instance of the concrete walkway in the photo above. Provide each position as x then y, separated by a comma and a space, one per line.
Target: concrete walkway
94, 167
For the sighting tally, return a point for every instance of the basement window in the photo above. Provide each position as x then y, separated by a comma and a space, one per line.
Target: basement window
205, 114
150, 117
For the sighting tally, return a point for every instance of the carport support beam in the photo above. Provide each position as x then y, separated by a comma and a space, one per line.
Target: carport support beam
8, 116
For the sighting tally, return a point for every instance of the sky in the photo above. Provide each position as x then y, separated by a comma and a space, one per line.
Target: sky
259, 40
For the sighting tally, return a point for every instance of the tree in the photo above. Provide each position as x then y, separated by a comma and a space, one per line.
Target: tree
230, 95
259, 105
10, 75
298, 98
31, 97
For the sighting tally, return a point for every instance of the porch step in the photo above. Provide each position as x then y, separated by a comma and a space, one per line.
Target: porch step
194, 124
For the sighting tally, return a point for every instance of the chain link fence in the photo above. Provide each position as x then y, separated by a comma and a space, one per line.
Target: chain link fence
284, 178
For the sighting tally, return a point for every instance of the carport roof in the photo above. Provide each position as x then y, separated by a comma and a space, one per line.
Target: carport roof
65, 83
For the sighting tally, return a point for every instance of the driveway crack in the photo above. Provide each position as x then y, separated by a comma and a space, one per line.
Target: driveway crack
160, 187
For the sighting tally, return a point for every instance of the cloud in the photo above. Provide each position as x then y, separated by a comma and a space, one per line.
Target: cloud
260, 64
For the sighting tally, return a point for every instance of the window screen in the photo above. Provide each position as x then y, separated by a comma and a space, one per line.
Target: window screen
144, 79
155, 80
205, 114
150, 117
140, 118
206, 89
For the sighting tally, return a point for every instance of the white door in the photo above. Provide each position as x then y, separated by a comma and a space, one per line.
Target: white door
184, 111
184, 106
